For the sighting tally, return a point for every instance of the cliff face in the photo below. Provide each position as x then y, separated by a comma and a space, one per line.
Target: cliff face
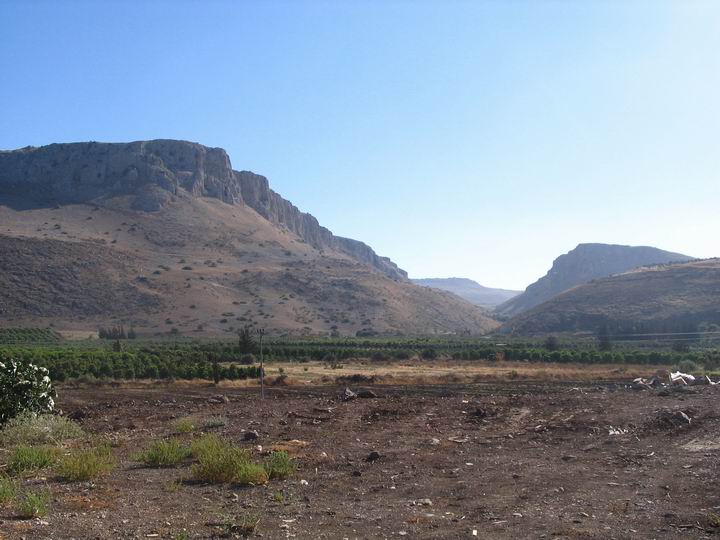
152, 173
583, 264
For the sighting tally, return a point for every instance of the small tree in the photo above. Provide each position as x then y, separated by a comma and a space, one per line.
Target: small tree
604, 339
215, 367
24, 388
246, 341
551, 343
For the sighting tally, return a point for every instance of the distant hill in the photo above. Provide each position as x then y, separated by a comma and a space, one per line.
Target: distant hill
470, 290
165, 236
665, 298
585, 263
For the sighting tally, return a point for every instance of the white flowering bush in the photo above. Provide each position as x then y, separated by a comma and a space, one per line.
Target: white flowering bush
24, 388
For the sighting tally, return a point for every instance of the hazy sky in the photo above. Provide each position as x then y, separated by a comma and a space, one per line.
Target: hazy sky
477, 139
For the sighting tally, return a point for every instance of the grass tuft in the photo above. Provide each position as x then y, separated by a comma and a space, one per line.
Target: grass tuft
29, 429
220, 462
244, 525
214, 422
8, 489
32, 504
183, 425
279, 465
163, 454
31, 458
86, 464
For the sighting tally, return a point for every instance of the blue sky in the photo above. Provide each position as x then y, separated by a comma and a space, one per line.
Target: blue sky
475, 139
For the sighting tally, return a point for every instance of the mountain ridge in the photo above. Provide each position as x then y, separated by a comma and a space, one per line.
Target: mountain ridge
673, 297
469, 289
582, 264
154, 172
132, 234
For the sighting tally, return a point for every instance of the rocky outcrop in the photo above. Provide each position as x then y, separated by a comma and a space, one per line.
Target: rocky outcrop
583, 264
153, 173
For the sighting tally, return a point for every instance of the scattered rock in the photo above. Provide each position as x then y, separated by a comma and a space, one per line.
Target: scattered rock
251, 435
366, 394
434, 441
348, 395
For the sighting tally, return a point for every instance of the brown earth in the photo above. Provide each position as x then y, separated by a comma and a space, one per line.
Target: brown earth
203, 267
505, 459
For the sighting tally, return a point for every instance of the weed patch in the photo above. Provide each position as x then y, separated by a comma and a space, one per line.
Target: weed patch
279, 465
29, 429
183, 425
32, 504
167, 453
86, 464
8, 489
31, 458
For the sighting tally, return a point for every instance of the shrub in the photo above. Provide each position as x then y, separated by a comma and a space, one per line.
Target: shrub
28, 428
31, 458
220, 462
164, 454
86, 464
251, 473
32, 504
688, 366
24, 387
183, 425
279, 465
245, 525
213, 422
8, 489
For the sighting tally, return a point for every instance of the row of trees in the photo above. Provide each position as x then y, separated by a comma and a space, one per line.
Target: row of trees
116, 332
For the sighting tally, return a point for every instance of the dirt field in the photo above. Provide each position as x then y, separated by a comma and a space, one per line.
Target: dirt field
495, 460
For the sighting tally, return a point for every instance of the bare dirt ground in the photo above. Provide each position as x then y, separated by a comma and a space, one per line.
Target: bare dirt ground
488, 460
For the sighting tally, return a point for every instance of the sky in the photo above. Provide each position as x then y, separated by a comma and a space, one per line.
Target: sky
474, 139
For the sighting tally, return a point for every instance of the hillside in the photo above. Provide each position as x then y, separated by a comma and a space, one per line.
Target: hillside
470, 290
665, 298
581, 265
165, 235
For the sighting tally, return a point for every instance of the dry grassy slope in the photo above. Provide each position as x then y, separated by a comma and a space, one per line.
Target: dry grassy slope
581, 265
204, 267
660, 297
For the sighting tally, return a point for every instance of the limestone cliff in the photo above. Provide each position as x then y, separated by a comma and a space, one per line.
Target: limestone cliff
153, 173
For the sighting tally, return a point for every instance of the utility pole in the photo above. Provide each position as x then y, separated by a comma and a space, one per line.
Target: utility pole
261, 333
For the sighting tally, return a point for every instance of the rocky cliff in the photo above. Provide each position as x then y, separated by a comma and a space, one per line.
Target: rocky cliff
583, 264
153, 173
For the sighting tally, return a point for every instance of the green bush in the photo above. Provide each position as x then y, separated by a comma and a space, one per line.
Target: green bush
164, 454
29, 428
219, 462
86, 464
279, 465
183, 425
213, 422
32, 504
32, 458
688, 366
24, 387
8, 489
